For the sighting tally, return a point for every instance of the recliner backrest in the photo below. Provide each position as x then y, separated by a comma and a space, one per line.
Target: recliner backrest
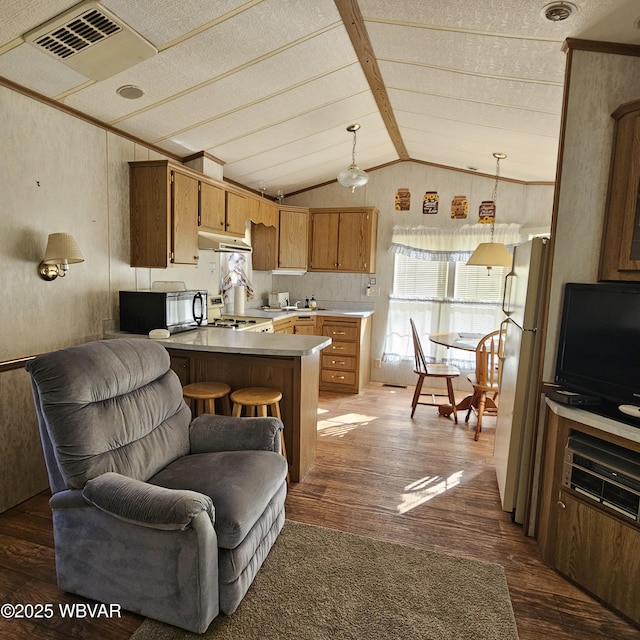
112, 405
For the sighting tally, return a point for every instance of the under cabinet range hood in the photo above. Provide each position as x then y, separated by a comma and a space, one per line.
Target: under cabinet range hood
222, 244
288, 272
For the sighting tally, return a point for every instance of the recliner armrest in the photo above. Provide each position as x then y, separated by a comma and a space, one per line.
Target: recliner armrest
146, 504
209, 433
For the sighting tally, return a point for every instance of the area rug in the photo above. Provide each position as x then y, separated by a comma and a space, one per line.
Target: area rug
322, 584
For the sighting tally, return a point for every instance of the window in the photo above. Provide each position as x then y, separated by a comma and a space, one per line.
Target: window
441, 297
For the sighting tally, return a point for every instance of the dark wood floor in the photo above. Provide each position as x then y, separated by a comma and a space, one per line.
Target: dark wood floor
421, 482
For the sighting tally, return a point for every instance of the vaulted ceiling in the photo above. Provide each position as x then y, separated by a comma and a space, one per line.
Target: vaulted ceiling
269, 86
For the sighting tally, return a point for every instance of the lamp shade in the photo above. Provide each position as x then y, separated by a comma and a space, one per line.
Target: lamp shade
353, 177
62, 247
490, 254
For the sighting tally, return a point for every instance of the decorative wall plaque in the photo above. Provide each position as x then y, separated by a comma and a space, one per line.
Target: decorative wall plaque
459, 207
403, 199
430, 202
487, 212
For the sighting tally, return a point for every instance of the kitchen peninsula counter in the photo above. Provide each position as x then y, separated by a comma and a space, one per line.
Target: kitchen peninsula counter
214, 340
241, 359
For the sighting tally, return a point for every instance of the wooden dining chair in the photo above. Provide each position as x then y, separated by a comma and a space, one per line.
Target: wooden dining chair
486, 378
425, 370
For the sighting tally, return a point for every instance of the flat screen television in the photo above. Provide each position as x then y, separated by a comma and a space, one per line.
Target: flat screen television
599, 347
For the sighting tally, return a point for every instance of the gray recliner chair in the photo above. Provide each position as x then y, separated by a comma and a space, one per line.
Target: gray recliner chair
168, 517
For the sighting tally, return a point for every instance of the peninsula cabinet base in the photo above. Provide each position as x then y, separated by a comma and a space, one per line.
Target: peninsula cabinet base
296, 377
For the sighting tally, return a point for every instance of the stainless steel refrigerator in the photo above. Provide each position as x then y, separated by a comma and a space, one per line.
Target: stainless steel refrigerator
518, 401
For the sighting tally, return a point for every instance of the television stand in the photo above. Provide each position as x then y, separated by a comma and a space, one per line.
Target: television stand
592, 545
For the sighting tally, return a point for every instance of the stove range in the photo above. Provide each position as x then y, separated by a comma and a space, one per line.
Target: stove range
242, 323
236, 323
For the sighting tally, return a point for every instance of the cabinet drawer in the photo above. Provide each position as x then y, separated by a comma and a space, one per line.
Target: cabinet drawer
347, 378
340, 349
345, 332
338, 362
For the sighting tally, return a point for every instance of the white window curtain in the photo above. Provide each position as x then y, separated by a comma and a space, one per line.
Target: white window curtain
433, 285
445, 245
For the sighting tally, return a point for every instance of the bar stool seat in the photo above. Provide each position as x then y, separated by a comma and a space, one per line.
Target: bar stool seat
257, 400
204, 394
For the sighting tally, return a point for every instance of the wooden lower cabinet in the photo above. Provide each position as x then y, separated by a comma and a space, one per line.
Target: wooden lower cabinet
305, 325
600, 553
296, 377
592, 545
285, 325
346, 363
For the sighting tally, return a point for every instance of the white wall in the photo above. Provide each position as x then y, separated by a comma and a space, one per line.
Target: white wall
59, 173
529, 206
599, 83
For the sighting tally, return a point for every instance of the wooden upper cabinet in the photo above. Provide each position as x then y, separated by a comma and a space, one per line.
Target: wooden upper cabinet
185, 201
212, 208
284, 246
163, 215
323, 240
343, 239
237, 213
620, 254
293, 231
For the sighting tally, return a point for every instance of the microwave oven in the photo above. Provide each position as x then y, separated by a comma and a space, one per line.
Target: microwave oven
142, 311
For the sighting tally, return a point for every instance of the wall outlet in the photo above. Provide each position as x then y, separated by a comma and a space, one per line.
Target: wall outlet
373, 291
377, 363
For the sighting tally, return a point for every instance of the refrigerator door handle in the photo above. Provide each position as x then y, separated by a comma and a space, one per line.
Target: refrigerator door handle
506, 295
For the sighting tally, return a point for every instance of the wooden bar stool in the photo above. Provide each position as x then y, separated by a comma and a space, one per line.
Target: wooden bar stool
202, 397
256, 400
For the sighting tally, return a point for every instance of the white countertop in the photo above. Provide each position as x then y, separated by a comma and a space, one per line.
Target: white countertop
595, 420
215, 340
280, 314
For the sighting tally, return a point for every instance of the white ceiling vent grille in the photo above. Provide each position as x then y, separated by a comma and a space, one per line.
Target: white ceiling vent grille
91, 40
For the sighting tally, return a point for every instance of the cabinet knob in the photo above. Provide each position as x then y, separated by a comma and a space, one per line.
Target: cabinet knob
561, 505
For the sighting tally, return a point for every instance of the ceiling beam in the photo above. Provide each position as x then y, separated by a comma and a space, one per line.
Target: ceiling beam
354, 24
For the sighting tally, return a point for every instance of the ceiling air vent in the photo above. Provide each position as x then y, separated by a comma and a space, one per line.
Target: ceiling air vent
92, 41
558, 11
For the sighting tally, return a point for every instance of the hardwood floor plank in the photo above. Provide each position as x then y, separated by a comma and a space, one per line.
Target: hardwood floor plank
422, 482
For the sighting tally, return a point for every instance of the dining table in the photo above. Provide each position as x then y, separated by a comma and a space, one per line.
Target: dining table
466, 342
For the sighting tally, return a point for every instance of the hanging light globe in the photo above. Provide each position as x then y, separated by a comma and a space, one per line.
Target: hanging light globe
353, 176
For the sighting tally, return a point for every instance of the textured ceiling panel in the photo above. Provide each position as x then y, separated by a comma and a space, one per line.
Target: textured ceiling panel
161, 21
328, 142
269, 86
518, 17
240, 40
278, 74
476, 112
469, 52
35, 70
315, 162
336, 115
545, 97
466, 132
20, 17
281, 113
448, 147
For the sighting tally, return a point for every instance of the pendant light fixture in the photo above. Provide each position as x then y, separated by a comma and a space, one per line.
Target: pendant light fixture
492, 254
353, 176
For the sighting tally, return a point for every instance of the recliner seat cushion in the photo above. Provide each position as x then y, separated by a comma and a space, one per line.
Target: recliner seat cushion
224, 477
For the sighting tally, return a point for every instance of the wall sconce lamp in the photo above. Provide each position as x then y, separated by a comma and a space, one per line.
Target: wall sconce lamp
62, 250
